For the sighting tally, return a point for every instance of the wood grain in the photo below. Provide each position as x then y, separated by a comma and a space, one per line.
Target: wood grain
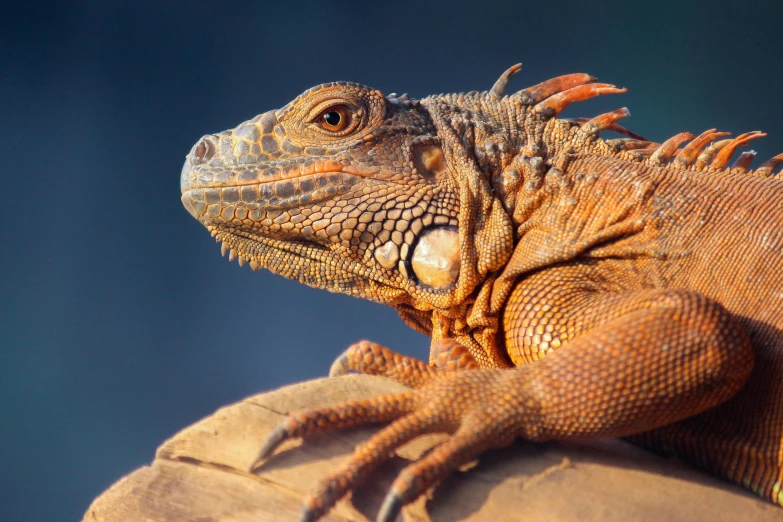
201, 474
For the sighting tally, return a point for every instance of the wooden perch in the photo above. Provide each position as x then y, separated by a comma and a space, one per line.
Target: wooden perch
201, 474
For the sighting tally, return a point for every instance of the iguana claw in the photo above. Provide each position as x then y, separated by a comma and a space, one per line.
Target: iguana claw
391, 506
341, 365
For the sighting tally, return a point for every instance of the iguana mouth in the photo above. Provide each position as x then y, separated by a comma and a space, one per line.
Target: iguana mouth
219, 194
209, 204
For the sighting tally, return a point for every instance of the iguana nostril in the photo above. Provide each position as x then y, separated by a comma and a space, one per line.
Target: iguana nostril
204, 149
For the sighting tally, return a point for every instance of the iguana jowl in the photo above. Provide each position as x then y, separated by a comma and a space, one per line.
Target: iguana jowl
635, 288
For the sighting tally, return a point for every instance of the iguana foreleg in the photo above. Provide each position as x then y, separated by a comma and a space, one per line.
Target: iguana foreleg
648, 358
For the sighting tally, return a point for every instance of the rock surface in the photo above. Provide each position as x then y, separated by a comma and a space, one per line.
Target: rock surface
201, 474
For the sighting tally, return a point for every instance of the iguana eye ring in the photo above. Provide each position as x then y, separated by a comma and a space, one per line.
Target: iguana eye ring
335, 119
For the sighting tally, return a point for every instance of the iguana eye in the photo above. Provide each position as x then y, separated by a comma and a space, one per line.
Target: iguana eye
335, 119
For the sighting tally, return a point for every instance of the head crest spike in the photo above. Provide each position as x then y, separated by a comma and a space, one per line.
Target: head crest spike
710, 151
615, 127
499, 88
536, 93
725, 154
604, 121
668, 148
743, 162
621, 144
555, 104
768, 166
688, 154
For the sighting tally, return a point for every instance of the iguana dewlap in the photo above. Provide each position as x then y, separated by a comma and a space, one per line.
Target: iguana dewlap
573, 287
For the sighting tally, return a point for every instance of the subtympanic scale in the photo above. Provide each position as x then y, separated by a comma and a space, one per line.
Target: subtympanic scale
436, 258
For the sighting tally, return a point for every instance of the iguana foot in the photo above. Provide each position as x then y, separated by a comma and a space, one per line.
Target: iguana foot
454, 402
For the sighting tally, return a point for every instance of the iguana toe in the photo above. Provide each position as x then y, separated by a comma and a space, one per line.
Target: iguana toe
373, 359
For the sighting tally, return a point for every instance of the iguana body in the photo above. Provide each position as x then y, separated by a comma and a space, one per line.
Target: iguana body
649, 275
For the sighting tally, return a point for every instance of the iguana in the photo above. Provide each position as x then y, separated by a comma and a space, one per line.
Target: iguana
573, 286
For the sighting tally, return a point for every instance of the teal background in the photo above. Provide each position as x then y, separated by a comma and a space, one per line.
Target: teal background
119, 321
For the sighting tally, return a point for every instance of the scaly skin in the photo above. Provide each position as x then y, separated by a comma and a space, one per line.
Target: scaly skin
649, 275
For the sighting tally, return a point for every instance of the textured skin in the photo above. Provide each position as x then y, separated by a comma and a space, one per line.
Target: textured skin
636, 288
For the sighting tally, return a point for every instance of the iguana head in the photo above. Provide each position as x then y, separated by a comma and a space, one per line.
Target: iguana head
356, 192
406, 202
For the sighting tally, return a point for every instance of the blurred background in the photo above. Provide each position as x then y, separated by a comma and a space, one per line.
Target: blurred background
120, 323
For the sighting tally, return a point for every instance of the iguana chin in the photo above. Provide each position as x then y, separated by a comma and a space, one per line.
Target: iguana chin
573, 286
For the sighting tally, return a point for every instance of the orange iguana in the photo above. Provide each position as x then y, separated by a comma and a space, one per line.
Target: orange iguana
573, 287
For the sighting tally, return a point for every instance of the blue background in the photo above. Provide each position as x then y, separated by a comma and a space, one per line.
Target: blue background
119, 321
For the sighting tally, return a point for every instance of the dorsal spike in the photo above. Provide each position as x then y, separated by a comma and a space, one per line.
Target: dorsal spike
642, 155
691, 150
604, 121
556, 103
668, 147
710, 151
543, 90
768, 166
647, 151
743, 162
615, 127
621, 144
725, 154
499, 88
